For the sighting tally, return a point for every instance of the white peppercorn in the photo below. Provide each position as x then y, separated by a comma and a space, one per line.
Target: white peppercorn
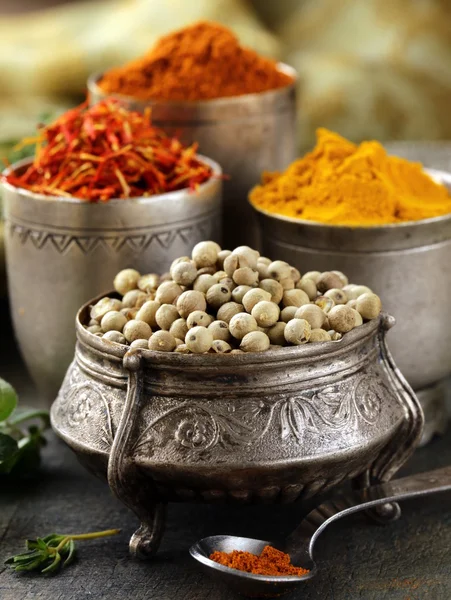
236, 351
221, 347
253, 297
140, 343
249, 254
311, 313
167, 292
297, 331
179, 329
166, 315
184, 273
203, 283
220, 330
287, 283
337, 295
228, 310
239, 292
341, 318
358, 318
126, 280
319, 335
190, 301
352, 303
266, 313
279, 270
221, 258
149, 283
228, 281
327, 281
262, 268
129, 313
182, 349
114, 336
218, 295
255, 341
134, 299
245, 276
315, 275
162, 341
199, 318
325, 303
288, 313
207, 270
218, 275
147, 312
103, 306
307, 285
136, 330
369, 305
295, 298
334, 335
354, 291
274, 288
241, 324
199, 340
205, 254
276, 334
94, 328
342, 276
295, 274
113, 321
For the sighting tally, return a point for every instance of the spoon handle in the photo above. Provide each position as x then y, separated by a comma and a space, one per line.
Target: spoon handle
300, 542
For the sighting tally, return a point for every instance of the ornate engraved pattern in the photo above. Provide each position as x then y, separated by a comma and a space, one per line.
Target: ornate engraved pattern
65, 240
197, 426
82, 404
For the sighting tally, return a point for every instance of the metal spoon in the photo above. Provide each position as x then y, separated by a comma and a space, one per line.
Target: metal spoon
299, 544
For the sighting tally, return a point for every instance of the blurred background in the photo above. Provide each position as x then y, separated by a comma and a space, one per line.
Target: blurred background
367, 68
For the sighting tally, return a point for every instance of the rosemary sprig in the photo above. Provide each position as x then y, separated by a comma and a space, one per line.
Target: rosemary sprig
52, 552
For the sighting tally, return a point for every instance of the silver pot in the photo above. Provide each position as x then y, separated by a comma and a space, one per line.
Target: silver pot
245, 134
408, 265
254, 428
62, 251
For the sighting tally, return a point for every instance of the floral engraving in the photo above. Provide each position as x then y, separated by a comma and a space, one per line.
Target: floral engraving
82, 404
200, 426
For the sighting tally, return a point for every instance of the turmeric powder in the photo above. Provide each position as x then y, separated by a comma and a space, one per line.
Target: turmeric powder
341, 183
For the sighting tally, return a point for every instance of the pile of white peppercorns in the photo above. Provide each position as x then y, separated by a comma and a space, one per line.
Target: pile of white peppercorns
230, 301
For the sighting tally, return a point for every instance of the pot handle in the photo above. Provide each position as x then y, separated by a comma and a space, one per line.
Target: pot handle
126, 481
402, 447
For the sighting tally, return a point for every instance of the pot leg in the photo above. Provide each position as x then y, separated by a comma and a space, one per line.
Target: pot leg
145, 542
383, 514
133, 487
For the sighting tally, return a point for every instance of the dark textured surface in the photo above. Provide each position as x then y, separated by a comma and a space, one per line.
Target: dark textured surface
408, 560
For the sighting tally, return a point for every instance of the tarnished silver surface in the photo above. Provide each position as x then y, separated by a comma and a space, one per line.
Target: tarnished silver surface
60, 252
245, 134
301, 542
434, 154
407, 264
269, 427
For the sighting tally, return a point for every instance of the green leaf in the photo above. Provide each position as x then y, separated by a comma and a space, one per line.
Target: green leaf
71, 555
8, 447
8, 399
28, 414
54, 565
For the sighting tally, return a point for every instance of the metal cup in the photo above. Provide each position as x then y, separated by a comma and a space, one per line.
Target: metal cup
62, 251
408, 265
246, 134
